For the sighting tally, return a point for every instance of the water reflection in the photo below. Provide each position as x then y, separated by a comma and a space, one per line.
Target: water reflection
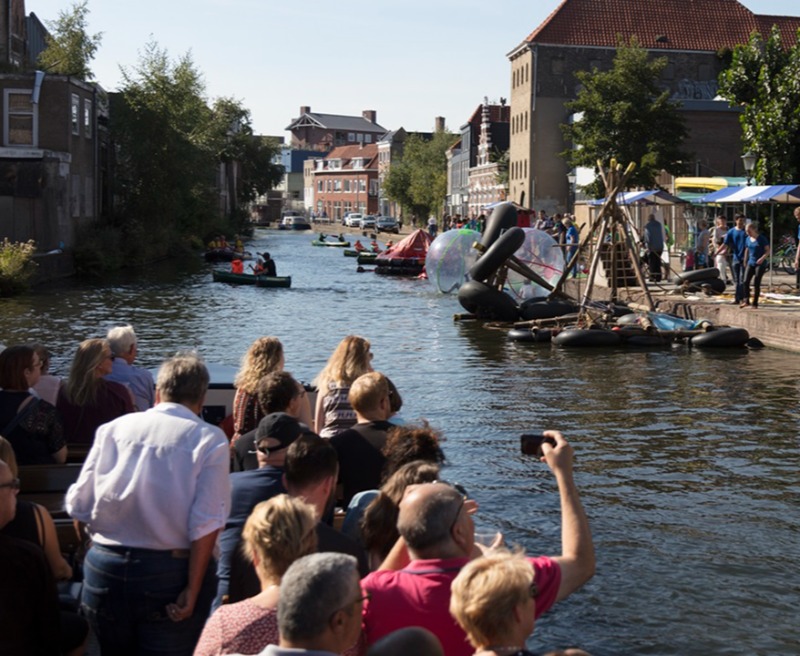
687, 459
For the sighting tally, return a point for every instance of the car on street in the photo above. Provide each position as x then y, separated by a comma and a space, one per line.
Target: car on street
352, 220
367, 222
387, 224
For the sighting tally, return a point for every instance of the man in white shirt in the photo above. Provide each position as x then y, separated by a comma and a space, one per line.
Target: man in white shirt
154, 493
139, 381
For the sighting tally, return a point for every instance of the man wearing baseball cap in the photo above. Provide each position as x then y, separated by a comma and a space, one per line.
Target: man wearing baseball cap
275, 433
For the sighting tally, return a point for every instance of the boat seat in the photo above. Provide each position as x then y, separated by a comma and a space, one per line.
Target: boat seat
47, 485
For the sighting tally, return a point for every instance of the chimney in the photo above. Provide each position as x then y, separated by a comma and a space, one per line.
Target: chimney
438, 123
305, 109
371, 115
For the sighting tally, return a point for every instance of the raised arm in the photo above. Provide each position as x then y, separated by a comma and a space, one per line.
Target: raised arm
577, 560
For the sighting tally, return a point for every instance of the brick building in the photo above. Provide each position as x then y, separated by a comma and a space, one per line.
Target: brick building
346, 180
324, 132
581, 35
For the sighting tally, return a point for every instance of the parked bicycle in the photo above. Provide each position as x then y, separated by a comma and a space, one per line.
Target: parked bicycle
784, 255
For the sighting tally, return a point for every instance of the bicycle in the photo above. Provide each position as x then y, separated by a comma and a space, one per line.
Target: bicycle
784, 255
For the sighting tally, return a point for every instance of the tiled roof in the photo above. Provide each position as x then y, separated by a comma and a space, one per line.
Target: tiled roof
700, 25
497, 114
339, 122
787, 25
347, 153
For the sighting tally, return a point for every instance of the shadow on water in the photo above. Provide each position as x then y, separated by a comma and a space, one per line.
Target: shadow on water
687, 459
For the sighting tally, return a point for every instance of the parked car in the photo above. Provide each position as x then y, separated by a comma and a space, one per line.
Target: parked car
352, 220
295, 223
367, 222
387, 224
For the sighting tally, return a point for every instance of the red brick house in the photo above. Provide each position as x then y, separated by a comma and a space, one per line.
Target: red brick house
323, 132
346, 180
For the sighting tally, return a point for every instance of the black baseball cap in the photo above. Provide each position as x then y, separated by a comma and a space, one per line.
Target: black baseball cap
278, 430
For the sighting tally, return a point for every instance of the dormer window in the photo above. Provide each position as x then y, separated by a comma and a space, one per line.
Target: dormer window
358, 162
335, 164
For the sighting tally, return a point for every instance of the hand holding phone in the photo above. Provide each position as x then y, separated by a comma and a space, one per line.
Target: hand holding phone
531, 444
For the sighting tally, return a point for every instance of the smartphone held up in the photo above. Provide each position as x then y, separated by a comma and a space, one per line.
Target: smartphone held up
531, 444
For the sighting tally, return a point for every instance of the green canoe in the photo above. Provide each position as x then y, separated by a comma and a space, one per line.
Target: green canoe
250, 279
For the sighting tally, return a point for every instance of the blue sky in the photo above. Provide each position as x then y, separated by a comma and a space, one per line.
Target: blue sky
407, 59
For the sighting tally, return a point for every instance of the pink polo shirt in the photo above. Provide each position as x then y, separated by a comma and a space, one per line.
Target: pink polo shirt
419, 595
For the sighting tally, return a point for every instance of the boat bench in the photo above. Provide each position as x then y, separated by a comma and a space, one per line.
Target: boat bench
47, 485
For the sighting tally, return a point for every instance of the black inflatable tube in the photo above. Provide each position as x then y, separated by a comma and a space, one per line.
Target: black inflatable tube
721, 338
697, 274
530, 335
716, 285
503, 217
487, 302
505, 246
531, 311
582, 337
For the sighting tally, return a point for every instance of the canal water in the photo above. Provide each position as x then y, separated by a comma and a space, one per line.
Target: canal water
687, 461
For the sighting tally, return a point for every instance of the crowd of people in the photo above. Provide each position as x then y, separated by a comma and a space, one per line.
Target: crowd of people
225, 540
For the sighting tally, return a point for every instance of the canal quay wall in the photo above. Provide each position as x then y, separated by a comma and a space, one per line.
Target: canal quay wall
775, 323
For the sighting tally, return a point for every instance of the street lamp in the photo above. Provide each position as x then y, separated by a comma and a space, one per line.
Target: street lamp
749, 162
571, 179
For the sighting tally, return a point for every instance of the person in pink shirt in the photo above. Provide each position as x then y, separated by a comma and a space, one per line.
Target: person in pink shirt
438, 535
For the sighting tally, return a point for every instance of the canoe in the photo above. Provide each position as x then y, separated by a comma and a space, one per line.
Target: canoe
332, 244
250, 279
367, 258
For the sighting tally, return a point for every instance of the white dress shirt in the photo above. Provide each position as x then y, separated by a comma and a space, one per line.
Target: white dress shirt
154, 480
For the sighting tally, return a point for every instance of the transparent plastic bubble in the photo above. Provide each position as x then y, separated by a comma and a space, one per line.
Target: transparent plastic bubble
450, 256
541, 253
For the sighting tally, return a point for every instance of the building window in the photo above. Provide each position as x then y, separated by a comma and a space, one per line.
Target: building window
319, 185
20, 119
76, 114
351, 137
367, 138
87, 119
337, 185
360, 138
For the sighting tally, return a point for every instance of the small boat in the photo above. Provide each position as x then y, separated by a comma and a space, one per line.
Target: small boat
335, 244
366, 258
251, 279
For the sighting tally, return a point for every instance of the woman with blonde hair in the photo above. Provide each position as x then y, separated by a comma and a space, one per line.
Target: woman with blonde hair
264, 356
277, 533
351, 358
493, 600
86, 399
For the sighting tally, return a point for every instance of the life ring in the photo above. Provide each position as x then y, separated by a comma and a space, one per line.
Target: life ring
487, 302
530, 335
541, 308
583, 337
503, 217
506, 245
721, 337
697, 274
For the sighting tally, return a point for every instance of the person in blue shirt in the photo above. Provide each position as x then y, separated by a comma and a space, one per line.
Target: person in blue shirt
571, 239
735, 245
797, 249
758, 252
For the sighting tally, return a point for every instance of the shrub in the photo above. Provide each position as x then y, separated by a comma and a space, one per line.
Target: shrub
16, 266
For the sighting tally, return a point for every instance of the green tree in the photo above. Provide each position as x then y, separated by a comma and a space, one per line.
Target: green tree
70, 48
764, 79
419, 180
626, 115
501, 158
168, 148
236, 144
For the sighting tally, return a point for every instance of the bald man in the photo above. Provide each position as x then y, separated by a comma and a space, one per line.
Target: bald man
436, 526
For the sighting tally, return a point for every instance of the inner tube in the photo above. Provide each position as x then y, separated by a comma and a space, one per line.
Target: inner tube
530, 335
583, 337
506, 245
541, 308
503, 217
721, 337
714, 285
487, 302
697, 274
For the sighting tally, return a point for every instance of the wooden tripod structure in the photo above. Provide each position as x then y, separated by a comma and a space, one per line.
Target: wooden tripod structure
612, 223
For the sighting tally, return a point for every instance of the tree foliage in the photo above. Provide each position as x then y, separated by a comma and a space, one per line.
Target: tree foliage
418, 181
70, 48
764, 79
626, 115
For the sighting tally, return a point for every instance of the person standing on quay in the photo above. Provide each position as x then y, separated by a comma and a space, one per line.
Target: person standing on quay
154, 493
735, 245
797, 249
654, 241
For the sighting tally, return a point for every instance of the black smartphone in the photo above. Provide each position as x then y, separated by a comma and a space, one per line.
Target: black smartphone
531, 444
